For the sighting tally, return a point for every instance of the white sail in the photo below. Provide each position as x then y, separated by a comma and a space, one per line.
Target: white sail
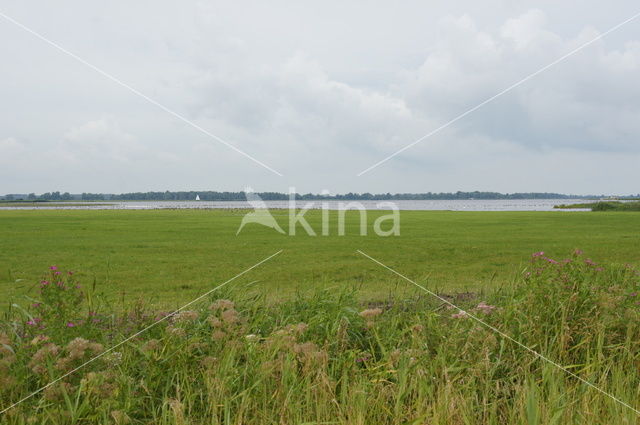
197, 197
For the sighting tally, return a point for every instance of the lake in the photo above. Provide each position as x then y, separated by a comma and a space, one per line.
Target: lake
452, 205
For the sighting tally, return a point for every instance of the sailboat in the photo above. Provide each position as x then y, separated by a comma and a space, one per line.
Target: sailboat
197, 197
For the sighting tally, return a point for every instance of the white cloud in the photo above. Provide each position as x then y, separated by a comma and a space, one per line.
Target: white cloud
317, 92
102, 139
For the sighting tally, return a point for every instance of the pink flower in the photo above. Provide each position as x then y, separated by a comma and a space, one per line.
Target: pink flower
53, 268
551, 260
460, 315
485, 308
57, 273
70, 325
537, 254
44, 282
577, 252
589, 262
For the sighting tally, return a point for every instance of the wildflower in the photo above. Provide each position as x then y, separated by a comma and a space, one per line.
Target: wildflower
551, 260
218, 335
38, 361
460, 315
309, 353
71, 325
176, 331
537, 254
230, 316
633, 294
44, 282
151, 345
485, 308
186, 316
215, 322
53, 268
589, 262
577, 252
114, 358
38, 339
56, 392
370, 313
599, 269
222, 305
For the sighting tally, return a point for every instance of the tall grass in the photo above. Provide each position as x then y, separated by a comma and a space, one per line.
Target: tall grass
603, 206
325, 358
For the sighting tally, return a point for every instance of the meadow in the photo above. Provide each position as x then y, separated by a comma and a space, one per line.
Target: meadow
536, 320
171, 256
558, 345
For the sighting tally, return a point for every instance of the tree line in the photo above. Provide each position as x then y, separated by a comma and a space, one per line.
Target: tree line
277, 196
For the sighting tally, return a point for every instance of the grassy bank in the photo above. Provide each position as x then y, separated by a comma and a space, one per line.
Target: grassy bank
167, 257
325, 358
604, 206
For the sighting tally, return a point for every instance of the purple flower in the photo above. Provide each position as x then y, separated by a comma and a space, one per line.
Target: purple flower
633, 294
34, 321
57, 273
70, 325
53, 268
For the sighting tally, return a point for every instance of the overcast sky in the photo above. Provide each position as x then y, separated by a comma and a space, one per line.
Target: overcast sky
320, 91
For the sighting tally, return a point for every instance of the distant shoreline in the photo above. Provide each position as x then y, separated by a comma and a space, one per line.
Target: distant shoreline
277, 196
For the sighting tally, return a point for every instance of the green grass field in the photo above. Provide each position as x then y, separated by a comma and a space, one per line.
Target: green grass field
170, 256
355, 345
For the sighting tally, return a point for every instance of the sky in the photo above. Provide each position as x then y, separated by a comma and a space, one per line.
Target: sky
310, 94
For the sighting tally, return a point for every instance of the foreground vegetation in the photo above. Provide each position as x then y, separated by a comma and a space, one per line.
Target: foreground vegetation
326, 358
168, 257
604, 206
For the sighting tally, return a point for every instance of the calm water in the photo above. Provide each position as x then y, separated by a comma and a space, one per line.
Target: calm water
456, 205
